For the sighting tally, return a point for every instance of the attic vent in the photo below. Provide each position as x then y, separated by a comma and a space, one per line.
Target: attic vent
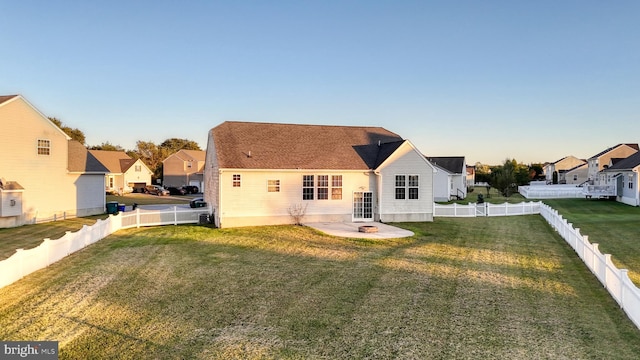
249, 154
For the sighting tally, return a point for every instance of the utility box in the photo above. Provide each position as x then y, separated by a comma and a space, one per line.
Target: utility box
11, 199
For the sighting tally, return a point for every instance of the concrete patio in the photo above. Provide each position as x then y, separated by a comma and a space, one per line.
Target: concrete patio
350, 230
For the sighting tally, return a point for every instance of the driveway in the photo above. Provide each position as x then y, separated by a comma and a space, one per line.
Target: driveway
350, 230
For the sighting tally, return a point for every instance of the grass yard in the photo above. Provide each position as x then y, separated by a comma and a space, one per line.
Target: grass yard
147, 199
30, 236
483, 288
613, 225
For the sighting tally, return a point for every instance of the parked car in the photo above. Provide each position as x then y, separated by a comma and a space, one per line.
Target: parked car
191, 189
176, 190
197, 203
156, 190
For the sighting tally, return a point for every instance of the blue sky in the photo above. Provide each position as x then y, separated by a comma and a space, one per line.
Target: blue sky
490, 80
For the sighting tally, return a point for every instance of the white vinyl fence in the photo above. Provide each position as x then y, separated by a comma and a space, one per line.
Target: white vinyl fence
615, 280
551, 192
24, 262
487, 209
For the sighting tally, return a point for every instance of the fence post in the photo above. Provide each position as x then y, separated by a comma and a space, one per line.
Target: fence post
47, 243
20, 254
175, 215
138, 218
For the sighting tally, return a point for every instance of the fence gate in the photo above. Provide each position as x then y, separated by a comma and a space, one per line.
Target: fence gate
481, 209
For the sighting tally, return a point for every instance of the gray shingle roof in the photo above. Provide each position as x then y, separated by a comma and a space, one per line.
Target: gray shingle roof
115, 161
626, 164
250, 145
81, 160
453, 164
634, 146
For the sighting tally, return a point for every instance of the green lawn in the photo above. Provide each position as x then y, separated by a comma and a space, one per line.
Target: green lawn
30, 236
146, 199
482, 288
613, 225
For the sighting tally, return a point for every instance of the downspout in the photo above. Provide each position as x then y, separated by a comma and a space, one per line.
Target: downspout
379, 193
219, 204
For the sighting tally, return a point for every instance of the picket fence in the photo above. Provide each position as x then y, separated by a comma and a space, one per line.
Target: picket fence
487, 209
24, 262
615, 280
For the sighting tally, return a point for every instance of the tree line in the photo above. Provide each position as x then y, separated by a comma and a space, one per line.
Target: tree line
150, 153
507, 177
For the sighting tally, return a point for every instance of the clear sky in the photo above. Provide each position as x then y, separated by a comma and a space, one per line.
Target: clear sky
490, 80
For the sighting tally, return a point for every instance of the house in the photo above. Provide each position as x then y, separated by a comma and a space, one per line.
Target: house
450, 182
267, 174
624, 173
471, 176
552, 170
124, 173
44, 175
577, 175
602, 159
185, 167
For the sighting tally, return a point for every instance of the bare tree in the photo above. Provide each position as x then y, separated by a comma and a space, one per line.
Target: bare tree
297, 212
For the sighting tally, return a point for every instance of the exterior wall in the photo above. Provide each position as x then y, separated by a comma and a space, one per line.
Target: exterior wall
251, 204
132, 175
176, 171
630, 193
90, 199
441, 185
577, 176
597, 164
406, 161
47, 186
211, 194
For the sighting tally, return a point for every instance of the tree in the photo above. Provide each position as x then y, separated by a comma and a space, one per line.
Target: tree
151, 155
75, 134
174, 145
107, 146
507, 177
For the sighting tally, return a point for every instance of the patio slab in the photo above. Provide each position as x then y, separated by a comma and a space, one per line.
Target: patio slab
350, 230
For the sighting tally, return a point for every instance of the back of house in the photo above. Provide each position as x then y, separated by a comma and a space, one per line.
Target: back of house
266, 174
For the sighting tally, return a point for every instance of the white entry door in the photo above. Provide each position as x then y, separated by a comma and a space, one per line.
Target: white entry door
362, 206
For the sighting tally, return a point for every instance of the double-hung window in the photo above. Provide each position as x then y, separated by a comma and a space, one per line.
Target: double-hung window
407, 187
44, 147
307, 187
273, 185
336, 187
323, 187
236, 180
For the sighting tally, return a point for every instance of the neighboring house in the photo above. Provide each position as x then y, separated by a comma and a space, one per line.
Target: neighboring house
575, 176
124, 173
602, 159
185, 167
266, 174
471, 176
44, 175
625, 175
552, 170
450, 182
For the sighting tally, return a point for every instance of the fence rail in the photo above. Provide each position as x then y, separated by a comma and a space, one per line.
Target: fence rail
615, 280
24, 262
487, 209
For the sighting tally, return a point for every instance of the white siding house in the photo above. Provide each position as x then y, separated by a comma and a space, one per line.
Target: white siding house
259, 173
625, 175
124, 174
450, 182
42, 172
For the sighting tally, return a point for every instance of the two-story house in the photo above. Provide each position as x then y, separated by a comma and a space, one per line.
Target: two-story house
185, 167
44, 174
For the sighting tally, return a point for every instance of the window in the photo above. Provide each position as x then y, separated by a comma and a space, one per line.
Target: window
575, 177
44, 147
630, 181
323, 187
236, 180
273, 185
307, 187
400, 187
407, 185
336, 187
110, 182
189, 164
